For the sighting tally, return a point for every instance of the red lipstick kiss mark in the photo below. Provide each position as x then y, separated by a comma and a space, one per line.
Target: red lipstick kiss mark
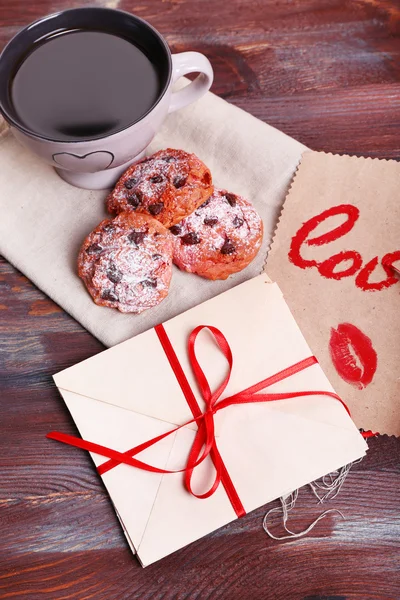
353, 355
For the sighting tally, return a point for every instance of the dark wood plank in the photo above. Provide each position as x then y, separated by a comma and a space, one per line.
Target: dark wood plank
328, 73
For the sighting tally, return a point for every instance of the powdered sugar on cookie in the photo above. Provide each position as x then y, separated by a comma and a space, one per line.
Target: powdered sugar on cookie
168, 186
221, 237
152, 177
127, 263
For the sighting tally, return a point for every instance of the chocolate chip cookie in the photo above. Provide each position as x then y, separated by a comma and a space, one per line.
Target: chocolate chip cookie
169, 185
126, 263
219, 238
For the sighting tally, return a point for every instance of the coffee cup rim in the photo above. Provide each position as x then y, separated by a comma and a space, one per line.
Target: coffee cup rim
24, 129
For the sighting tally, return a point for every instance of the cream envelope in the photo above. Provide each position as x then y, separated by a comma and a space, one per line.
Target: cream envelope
129, 394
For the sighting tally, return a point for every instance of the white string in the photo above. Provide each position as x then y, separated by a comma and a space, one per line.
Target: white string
331, 484
327, 488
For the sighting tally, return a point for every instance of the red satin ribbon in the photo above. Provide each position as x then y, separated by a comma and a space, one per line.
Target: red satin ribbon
204, 443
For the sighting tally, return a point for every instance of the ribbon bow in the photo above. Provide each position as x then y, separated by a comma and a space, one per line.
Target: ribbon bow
204, 444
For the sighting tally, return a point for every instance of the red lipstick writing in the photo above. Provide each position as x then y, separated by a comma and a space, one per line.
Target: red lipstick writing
347, 263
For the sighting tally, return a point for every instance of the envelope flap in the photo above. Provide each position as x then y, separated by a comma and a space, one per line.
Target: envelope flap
134, 375
120, 429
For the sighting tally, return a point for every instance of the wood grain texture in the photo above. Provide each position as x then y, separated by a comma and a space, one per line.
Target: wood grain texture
326, 72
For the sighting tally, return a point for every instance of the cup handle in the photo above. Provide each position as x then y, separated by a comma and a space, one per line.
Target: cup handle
190, 62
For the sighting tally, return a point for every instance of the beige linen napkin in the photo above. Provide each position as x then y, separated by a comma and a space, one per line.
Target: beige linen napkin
44, 220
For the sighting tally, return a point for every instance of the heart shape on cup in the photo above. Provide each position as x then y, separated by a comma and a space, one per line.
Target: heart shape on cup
88, 163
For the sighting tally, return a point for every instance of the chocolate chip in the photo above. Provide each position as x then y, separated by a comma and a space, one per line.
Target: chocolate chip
210, 221
114, 274
130, 183
136, 237
135, 199
169, 159
150, 282
93, 249
237, 222
155, 209
205, 203
191, 238
175, 229
156, 179
228, 247
156, 256
231, 198
206, 178
179, 181
109, 295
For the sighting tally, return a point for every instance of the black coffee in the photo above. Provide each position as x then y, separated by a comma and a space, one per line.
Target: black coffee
84, 84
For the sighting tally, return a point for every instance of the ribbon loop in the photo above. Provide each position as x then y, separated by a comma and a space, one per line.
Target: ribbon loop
205, 435
209, 397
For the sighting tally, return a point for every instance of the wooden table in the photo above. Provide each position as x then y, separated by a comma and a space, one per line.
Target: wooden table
328, 73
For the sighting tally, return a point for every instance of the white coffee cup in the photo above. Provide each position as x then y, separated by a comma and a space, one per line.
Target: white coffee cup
97, 163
